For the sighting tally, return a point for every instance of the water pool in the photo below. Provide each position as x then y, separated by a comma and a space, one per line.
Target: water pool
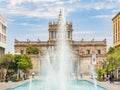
73, 85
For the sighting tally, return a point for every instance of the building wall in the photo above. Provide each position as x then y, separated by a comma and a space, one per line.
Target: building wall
116, 30
36, 63
3, 27
79, 49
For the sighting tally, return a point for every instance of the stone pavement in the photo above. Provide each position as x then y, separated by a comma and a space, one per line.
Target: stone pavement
105, 84
8, 85
109, 86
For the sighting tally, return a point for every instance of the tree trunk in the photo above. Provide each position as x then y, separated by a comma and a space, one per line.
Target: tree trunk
18, 74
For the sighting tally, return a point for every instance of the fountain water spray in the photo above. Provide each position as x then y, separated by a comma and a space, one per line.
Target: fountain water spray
58, 59
93, 73
30, 83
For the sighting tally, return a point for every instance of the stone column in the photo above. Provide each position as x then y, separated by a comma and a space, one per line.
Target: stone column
71, 35
51, 34
113, 33
68, 34
55, 34
119, 29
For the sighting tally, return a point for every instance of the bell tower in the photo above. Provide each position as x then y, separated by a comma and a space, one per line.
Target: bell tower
53, 27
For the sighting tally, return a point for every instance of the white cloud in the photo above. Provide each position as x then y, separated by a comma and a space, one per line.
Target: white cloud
29, 24
42, 10
103, 16
18, 2
10, 20
49, 8
83, 32
41, 36
33, 28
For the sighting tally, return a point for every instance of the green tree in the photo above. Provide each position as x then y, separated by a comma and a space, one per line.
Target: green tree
32, 50
110, 65
111, 50
100, 72
7, 61
15, 64
24, 63
113, 59
17, 59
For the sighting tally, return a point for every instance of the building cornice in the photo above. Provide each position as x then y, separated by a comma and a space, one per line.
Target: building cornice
3, 19
115, 16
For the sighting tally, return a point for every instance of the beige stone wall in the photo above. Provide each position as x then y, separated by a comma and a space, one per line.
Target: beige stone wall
116, 30
3, 28
36, 63
79, 48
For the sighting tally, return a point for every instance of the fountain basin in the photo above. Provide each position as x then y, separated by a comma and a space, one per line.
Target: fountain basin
73, 85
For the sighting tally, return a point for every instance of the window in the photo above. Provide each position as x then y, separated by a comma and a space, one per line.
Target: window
21, 52
99, 52
77, 51
87, 51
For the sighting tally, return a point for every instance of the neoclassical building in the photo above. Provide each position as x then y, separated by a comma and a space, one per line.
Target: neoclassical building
3, 27
116, 30
85, 51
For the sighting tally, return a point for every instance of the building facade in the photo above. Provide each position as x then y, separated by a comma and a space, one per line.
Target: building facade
116, 30
3, 27
83, 50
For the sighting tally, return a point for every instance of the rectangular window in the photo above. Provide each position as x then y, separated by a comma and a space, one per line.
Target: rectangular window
87, 51
22, 52
77, 51
99, 52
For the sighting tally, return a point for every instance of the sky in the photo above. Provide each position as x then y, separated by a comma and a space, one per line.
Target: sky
28, 19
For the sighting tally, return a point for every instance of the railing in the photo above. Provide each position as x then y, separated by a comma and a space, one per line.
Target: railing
73, 43
30, 42
89, 55
88, 42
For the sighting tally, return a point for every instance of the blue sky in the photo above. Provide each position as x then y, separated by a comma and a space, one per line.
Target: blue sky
28, 19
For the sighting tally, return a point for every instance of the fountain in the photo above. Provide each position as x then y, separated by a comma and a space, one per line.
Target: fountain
59, 59
93, 74
57, 66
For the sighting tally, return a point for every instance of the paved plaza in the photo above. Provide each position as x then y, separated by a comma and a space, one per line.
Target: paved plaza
109, 86
8, 85
106, 84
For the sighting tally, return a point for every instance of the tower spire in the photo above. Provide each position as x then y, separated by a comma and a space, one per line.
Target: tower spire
60, 15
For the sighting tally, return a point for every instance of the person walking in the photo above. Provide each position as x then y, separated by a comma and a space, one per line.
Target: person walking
112, 77
6, 78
